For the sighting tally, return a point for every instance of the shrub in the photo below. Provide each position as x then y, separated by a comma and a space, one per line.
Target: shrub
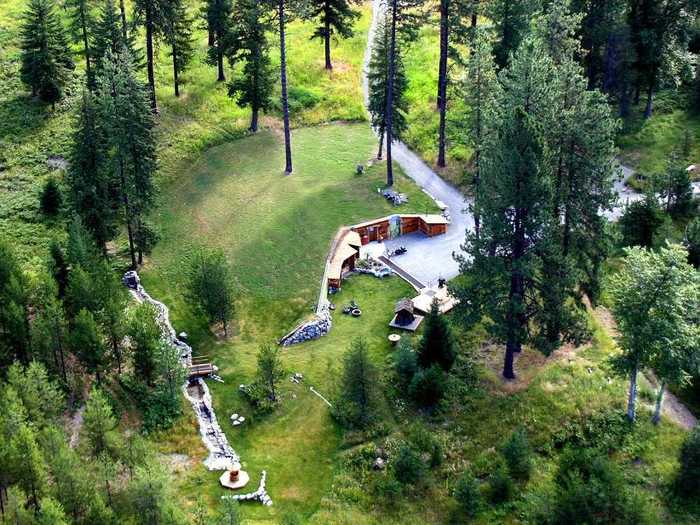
388, 487
592, 490
640, 222
468, 496
687, 483
518, 455
437, 346
425, 441
408, 467
51, 198
301, 98
500, 485
428, 386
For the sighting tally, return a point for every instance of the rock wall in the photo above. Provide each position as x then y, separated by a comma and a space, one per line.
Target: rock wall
317, 327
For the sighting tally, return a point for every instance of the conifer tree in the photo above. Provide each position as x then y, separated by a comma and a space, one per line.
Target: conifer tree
270, 371
218, 14
14, 308
178, 34
124, 110
87, 342
357, 402
81, 22
28, 464
511, 23
110, 35
250, 45
45, 60
145, 338
437, 346
94, 194
152, 14
378, 84
403, 23
480, 90
335, 17
99, 424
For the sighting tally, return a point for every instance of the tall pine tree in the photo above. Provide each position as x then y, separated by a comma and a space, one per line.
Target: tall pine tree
46, 63
335, 17
178, 34
378, 84
218, 14
152, 14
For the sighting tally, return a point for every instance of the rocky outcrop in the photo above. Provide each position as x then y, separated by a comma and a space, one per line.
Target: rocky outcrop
317, 327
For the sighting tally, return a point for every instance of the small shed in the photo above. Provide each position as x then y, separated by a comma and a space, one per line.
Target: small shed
344, 254
405, 317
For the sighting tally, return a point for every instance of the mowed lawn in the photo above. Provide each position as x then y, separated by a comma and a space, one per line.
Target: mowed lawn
276, 231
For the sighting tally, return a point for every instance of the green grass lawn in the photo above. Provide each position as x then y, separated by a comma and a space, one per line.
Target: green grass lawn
276, 230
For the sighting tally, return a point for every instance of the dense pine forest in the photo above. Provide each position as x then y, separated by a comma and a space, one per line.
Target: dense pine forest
179, 178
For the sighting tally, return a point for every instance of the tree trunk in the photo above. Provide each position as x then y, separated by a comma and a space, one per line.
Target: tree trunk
650, 101
475, 14
127, 216
327, 39
210, 37
656, 419
381, 144
122, 10
221, 77
390, 98
175, 76
86, 46
632, 400
508, 370
149, 58
285, 100
442, 79
254, 120
477, 183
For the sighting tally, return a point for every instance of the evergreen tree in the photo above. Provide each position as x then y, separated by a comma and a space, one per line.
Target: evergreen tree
14, 308
42, 399
49, 336
335, 17
518, 455
512, 204
640, 222
437, 346
152, 14
28, 464
51, 513
110, 35
255, 87
145, 337
511, 19
403, 23
692, 242
99, 425
124, 110
687, 482
87, 342
480, 89
218, 14
178, 34
58, 267
94, 194
655, 301
378, 81
357, 403
675, 188
51, 198
149, 498
209, 286
270, 371
657, 28
81, 22
46, 60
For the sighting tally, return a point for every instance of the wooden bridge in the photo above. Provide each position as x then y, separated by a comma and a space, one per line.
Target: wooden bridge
200, 367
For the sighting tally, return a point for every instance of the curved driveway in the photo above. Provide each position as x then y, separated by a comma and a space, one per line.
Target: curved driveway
429, 258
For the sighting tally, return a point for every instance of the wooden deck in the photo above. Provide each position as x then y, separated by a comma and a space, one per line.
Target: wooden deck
200, 367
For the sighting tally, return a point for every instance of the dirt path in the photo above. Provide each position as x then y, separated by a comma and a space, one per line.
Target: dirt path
673, 408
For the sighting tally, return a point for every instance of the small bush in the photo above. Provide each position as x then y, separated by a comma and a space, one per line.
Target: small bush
388, 487
687, 483
500, 485
408, 467
426, 443
301, 98
518, 455
591, 489
468, 496
51, 198
428, 386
